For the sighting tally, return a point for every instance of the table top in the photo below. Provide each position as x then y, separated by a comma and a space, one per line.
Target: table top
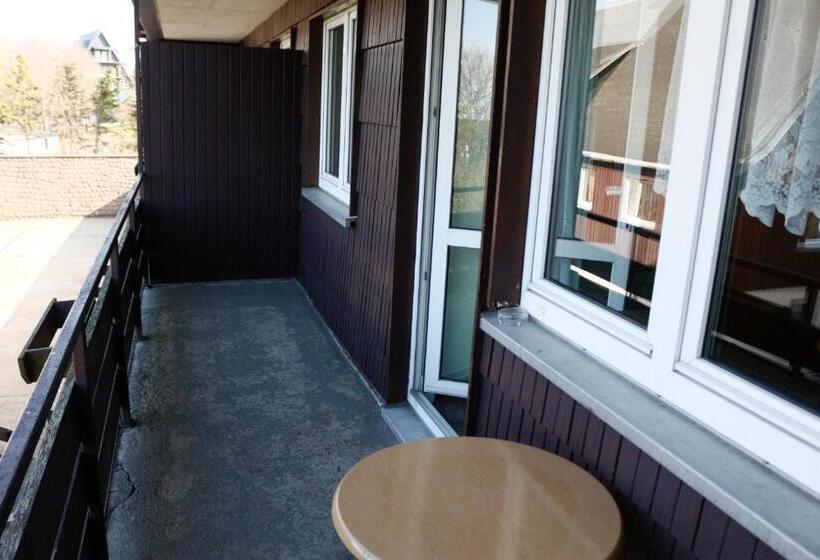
473, 498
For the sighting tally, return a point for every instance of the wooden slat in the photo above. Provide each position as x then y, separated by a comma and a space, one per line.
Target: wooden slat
108, 439
100, 333
54, 488
102, 391
202, 90
74, 521
129, 322
711, 532
85, 538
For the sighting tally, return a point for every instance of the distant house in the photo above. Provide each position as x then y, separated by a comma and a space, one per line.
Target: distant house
107, 58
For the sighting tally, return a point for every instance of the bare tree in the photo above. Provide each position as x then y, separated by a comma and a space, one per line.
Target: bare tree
475, 91
475, 87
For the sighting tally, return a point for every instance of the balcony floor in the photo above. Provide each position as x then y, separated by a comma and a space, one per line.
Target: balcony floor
248, 415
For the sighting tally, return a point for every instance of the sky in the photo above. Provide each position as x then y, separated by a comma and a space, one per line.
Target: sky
66, 20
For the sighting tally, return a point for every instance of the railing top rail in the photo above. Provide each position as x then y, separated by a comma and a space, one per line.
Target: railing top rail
20, 449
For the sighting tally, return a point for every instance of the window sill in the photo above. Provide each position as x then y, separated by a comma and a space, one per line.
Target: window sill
330, 205
775, 510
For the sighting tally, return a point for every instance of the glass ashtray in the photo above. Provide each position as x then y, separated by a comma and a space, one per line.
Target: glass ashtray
512, 316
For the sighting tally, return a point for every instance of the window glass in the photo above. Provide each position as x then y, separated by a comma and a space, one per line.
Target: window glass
621, 82
475, 94
765, 319
459, 313
333, 109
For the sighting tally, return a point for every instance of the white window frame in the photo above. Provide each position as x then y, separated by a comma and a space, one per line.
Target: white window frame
584, 190
338, 187
625, 212
285, 40
666, 357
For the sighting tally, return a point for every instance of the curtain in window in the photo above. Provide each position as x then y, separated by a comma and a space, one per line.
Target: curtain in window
780, 156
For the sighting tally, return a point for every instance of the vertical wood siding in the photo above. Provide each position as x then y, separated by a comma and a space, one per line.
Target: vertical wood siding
220, 125
349, 272
360, 279
664, 517
291, 14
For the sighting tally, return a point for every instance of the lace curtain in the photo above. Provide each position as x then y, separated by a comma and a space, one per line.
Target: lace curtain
780, 150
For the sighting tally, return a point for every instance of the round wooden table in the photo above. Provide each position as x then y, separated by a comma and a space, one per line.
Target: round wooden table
473, 498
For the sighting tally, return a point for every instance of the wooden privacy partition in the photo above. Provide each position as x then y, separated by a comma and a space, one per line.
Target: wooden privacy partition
220, 128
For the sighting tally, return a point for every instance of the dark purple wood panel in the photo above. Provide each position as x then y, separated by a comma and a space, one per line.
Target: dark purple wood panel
360, 278
221, 137
663, 517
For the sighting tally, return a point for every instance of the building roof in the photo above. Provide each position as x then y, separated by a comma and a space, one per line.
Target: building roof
631, 59
96, 40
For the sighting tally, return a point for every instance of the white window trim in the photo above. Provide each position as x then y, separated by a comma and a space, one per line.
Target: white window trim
338, 187
285, 40
625, 214
583, 193
431, 418
665, 357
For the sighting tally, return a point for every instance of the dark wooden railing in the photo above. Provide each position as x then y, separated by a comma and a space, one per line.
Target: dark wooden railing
55, 471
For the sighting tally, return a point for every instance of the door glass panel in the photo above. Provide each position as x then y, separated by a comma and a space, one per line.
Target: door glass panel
475, 93
765, 320
621, 83
335, 49
459, 313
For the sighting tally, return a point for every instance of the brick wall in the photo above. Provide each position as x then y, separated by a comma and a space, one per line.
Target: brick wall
49, 187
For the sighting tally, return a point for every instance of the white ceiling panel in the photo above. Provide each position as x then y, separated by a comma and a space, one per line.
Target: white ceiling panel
226, 21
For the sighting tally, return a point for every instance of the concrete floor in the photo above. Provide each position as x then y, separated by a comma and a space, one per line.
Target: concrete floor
40, 259
248, 416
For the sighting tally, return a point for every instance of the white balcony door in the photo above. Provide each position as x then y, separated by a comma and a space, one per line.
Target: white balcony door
467, 64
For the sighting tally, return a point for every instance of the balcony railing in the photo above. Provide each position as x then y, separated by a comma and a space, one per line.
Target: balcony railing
55, 471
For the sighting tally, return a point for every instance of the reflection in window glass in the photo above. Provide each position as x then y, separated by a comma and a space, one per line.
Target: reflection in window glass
475, 93
765, 316
586, 188
335, 49
459, 313
621, 82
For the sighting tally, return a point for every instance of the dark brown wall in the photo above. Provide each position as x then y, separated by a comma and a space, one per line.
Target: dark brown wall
220, 128
663, 517
515, 103
293, 13
360, 279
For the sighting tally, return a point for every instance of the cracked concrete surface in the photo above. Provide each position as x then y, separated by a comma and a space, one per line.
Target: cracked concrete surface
248, 415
